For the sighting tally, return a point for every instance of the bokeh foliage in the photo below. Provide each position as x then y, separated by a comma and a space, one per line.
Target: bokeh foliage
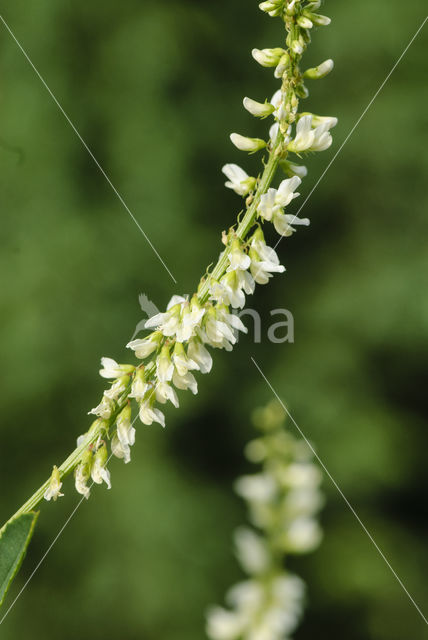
154, 88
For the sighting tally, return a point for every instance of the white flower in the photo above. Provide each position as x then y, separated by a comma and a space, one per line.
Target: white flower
168, 321
268, 57
278, 102
55, 484
143, 347
301, 474
116, 388
223, 624
258, 109
247, 144
125, 432
104, 409
113, 370
309, 138
238, 259
164, 365
273, 132
81, 477
199, 354
322, 139
274, 200
304, 137
231, 288
110, 368
216, 332
303, 501
264, 260
99, 472
283, 222
259, 487
292, 169
186, 381
320, 71
303, 535
139, 386
238, 179
181, 361
165, 392
251, 551
149, 414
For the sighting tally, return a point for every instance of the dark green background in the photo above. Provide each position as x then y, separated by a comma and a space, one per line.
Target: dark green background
155, 88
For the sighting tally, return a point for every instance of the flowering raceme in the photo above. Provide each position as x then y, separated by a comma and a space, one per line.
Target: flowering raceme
283, 501
177, 347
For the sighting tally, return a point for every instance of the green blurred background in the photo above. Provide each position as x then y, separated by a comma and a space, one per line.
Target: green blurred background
155, 88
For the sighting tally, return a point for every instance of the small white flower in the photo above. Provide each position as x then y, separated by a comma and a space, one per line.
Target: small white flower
181, 361
238, 179
274, 200
125, 432
164, 365
268, 57
81, 477
104, 409
303, 535
186, 381
54, 488
259, 487
301, 474
116, 389
237, 257
165, 392
110, 368
258, 109
223, 624
251, 551
199, 354
99, 472
264, 260
320, 71
139, 386
143, 347
322, 139
304, 137
247, 144
149, 414
283, 223
278, 102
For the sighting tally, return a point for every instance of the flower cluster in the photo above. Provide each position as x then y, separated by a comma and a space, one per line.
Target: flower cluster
283, 500
178, 345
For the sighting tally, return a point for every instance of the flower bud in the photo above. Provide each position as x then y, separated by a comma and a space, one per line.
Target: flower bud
272, 7
319, 20
55, 484
304, 22
247, 144
323, 69
282, 66
258, 109
268, 57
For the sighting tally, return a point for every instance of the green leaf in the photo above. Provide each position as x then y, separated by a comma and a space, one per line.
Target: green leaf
13, 545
